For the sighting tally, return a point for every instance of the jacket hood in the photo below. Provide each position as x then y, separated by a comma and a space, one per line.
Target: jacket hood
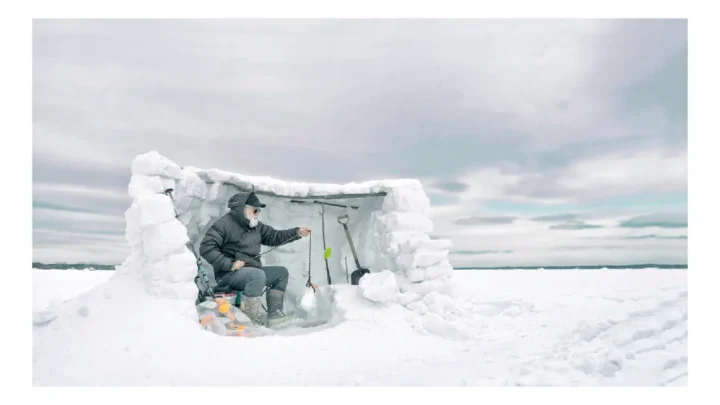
236, 205
238, 200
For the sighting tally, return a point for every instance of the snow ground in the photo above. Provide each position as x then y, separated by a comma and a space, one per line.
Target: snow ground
52, 287
618, 327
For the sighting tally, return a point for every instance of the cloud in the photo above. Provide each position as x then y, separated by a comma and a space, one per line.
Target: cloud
617, 181
664, 92
574, 225
484, 221
584, 248
442, 199
481, 252
50, 237
628, 173
73, 216
79, 245
555, 218
433, 89
45, 188
480, 111
615, 174
656, 221
67, 197
657, 237
451, 186
70, 221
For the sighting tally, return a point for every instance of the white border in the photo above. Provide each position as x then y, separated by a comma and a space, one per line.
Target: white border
703, 207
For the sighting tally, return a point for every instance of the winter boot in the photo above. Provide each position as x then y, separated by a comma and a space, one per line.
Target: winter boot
276, 316
250, 306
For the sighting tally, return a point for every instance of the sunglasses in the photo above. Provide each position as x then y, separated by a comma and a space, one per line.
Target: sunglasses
256, 210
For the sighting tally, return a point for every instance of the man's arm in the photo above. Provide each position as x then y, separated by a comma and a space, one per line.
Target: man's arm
210, 248
272, 237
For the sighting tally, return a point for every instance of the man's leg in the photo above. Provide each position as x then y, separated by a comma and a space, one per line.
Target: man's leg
276, 279
251, 281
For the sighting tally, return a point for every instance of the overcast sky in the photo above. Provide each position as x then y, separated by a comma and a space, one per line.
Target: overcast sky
539, 142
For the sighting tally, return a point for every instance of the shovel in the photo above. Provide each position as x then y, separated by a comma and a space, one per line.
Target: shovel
361, 271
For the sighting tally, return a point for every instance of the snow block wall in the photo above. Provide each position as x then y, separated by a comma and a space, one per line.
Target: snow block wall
390, 233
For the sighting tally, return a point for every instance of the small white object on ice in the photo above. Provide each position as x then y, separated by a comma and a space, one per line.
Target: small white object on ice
380, 287
308, 301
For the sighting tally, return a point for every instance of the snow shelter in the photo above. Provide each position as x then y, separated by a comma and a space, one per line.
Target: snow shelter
388, 222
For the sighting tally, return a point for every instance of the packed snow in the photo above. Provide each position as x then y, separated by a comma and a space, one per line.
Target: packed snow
53, 287
412, 321
524, 327
389, 228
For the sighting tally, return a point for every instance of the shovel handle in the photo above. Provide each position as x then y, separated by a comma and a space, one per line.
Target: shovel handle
352, 246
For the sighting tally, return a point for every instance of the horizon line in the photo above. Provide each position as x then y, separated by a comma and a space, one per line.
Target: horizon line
676, 265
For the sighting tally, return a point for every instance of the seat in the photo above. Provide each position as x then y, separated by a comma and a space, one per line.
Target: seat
228, 290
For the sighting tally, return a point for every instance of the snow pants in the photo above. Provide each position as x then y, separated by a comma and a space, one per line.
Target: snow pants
252, 281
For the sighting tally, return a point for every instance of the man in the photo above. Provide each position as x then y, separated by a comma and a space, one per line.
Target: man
230, 246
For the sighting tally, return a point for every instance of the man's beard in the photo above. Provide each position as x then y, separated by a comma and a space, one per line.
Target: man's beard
253, 220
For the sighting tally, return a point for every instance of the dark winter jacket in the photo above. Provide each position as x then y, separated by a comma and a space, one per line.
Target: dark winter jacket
230, 238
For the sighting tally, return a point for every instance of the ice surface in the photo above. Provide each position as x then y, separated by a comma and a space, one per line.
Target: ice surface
564, 328
52, 287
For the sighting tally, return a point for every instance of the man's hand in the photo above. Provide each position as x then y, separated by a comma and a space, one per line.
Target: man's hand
237, 265
304, 232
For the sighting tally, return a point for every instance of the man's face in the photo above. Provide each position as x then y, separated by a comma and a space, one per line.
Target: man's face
252, 212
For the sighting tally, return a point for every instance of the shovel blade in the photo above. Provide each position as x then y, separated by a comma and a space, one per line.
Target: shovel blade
356, 275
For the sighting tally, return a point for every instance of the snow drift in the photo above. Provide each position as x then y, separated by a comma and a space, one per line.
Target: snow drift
389, 224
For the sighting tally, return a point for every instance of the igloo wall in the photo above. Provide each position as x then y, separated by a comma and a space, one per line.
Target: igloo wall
389, 228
